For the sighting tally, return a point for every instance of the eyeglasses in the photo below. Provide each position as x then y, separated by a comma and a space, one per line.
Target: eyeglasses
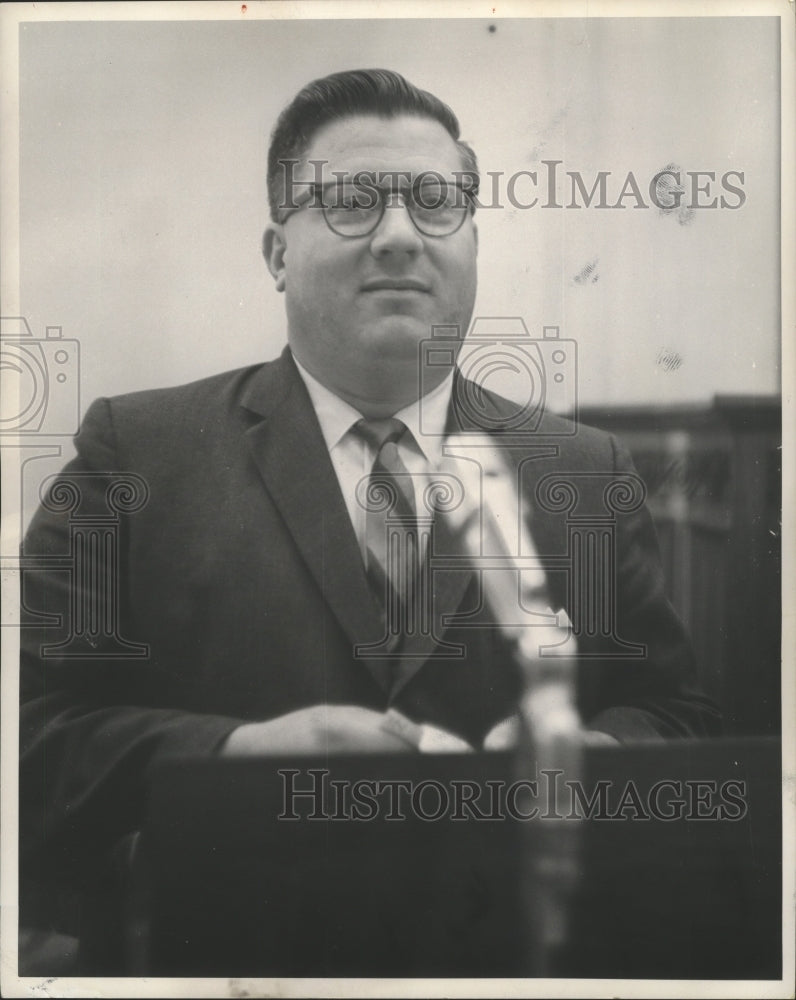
352, 209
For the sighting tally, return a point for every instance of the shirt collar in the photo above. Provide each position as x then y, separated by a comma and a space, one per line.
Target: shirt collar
335, 416
426, 417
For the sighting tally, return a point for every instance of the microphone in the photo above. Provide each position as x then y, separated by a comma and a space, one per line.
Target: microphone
491, 528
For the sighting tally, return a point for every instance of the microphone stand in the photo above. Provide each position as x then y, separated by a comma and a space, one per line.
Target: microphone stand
490, 526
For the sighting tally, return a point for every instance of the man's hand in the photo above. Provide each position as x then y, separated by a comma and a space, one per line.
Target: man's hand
320, 729
505, 734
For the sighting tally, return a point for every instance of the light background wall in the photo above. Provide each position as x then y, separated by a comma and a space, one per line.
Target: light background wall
143, 151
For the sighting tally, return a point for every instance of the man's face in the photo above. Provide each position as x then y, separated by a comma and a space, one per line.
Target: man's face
358, 307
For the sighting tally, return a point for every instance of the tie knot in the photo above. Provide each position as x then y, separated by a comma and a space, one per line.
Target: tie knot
378, 433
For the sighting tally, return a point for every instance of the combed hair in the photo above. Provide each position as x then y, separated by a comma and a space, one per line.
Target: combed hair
379, 92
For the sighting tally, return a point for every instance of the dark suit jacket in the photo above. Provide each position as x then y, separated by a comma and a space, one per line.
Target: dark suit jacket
242, 575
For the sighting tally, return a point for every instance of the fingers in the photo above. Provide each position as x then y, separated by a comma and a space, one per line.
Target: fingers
425, 738
324, 729
503, 736
403, 729
351, 729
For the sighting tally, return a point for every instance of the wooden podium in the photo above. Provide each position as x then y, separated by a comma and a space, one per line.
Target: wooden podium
244, 871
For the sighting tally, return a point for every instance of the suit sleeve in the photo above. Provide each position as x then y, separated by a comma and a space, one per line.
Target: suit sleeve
92, 721
656, 695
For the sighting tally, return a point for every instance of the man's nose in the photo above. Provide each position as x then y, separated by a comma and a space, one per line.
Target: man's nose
396, 232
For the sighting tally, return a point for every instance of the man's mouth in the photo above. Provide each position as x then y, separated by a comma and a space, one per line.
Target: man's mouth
395, 285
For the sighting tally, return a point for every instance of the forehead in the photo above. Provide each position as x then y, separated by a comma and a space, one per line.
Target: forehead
367, 142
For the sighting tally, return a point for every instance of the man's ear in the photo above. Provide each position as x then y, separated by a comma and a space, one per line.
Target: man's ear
274, 252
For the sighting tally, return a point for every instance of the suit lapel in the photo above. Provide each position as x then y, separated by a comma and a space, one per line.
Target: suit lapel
447, 590
290, 453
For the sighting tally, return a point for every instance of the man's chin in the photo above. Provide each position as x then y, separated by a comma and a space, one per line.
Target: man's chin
398, 337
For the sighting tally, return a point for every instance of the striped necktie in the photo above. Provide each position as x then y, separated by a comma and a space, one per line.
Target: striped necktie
392, 556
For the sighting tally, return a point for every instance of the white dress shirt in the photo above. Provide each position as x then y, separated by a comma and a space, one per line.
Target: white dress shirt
352, 457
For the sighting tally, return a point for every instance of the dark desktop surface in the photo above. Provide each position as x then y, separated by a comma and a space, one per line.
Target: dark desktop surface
676, 872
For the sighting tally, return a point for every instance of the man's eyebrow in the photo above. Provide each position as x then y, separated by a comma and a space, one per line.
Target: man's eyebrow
377, 178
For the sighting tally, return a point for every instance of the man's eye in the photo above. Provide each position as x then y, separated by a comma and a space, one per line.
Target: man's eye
353, 199
437, 196
362, 200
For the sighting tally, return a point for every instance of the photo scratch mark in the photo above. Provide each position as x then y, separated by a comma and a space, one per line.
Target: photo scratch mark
588, 274
669, 194
668, 359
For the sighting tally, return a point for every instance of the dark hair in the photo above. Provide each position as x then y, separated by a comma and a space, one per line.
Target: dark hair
379, 92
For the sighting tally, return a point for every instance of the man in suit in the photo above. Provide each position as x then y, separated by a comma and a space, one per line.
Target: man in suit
243, 574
